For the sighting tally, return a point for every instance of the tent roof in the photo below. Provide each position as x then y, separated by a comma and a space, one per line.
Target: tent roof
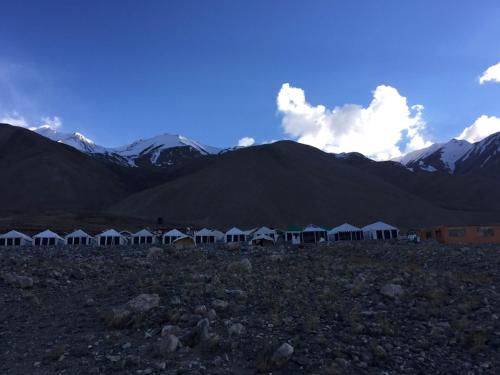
110, 233
344, 228
379, 225
235, 230
313, 228
15, 234
204, 232
264, 230
261, 236
218, 233
47, 234
143, 233
78, 233
173, 233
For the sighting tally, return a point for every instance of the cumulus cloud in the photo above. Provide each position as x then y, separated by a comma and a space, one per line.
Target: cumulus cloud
385, 129
481, 128
16, 119
246, 141
492, 74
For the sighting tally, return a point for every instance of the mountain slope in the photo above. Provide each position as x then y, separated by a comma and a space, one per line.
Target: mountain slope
280, 184
483, 158
39, 175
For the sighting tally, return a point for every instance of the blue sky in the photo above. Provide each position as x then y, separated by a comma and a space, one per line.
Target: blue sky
212, 70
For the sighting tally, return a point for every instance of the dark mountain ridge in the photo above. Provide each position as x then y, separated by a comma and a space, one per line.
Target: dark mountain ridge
280, 184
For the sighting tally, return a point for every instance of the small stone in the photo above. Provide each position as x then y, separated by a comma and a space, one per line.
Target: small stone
200, 309
379, 352
282, 354
392, 290
211, 314
113, 358
119, 317
242, 266
168, 344
219, 304
202, 327
236, 329
126, 345
169, 330
175, 301
155, 252
144, 302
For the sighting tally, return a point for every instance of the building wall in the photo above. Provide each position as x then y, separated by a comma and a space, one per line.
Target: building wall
463, 234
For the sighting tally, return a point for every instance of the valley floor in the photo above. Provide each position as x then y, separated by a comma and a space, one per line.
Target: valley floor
351, 308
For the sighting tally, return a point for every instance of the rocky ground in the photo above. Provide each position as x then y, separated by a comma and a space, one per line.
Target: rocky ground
351, 308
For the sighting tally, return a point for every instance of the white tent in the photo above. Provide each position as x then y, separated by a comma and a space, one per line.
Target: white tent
47, 238
262, 240
204, 236
345, 232
79, 237
235, 235
15, 238
143, 237
110, 237
265, 231
170, 236
380, 231
314, 234
219, 236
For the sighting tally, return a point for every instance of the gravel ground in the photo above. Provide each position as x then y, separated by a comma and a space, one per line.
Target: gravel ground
366, 308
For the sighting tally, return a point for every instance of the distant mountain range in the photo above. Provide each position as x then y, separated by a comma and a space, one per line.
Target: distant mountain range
455, 156
285, 183
156, 151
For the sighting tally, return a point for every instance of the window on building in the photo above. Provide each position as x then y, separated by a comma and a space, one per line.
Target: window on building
485, 232
456, 232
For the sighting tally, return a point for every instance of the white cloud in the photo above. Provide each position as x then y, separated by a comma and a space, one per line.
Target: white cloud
492, 74
246, 141
481, 128
53, 123
377, 131
16, 119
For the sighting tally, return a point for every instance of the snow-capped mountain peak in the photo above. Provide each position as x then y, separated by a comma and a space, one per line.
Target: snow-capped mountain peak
76, 140
439, 156
153, 147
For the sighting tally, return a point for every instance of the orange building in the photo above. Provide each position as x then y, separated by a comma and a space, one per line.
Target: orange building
462, 234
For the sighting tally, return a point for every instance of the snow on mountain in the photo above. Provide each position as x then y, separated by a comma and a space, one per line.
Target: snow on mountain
153, 147
439, 156
160, 143
453, 151
76, 140
418, 154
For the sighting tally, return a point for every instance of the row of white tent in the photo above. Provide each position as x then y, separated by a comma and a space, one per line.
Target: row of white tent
260, 236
